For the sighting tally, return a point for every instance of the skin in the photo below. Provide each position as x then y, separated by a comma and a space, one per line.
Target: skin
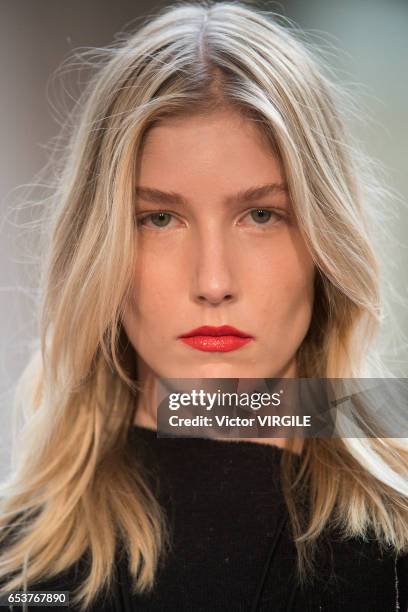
212, 262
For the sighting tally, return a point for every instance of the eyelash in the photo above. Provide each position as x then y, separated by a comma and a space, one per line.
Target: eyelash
279, 213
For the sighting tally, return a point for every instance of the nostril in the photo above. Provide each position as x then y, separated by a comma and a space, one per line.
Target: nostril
203, 298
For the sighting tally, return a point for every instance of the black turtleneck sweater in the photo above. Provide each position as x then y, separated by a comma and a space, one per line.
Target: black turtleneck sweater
231, 545
231, 542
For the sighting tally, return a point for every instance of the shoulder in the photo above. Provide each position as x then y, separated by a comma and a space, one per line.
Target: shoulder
357, 574
402, 581
68, 581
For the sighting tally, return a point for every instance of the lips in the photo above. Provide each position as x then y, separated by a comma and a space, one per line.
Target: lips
216, 339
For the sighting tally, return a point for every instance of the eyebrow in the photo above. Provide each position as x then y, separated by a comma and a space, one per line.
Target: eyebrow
247, 195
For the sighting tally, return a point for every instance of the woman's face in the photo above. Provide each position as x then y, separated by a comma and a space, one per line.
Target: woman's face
207, 255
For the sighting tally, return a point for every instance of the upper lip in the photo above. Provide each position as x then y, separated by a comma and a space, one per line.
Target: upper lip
209, 330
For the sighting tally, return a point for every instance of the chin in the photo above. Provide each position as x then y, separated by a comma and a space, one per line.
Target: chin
215, 370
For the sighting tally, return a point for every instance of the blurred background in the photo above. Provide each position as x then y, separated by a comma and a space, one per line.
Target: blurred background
369, 51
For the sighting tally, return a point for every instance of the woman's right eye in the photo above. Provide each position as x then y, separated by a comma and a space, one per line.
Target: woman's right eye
157, 219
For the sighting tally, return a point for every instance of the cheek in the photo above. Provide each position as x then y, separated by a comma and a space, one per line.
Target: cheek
284, 282
157, 283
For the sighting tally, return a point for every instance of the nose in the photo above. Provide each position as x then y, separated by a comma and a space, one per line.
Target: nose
214, 279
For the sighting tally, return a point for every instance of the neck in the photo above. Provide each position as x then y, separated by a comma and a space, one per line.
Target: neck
146, 413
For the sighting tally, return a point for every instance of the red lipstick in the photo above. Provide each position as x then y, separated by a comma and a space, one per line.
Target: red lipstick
220, 339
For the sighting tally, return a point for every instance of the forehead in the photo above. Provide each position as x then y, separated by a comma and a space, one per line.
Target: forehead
222, 146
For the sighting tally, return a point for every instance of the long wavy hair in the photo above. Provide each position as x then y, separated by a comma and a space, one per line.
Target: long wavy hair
75, 486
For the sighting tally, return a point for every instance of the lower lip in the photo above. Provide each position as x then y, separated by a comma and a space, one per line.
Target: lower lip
221, 344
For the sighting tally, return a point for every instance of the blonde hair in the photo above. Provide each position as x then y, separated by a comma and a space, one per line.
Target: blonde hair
75, 487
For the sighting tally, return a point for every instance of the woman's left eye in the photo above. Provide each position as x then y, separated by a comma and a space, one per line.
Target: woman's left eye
261, 216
